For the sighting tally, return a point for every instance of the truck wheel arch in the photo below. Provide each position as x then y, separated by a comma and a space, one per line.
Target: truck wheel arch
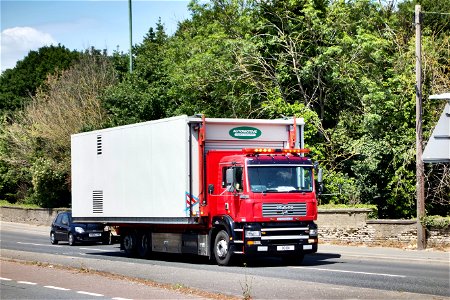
220, 223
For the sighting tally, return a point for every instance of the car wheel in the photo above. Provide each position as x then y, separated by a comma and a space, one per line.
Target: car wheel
53, 239
71, 239
222, 251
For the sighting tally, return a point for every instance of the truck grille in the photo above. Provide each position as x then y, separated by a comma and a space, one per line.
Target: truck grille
279, 209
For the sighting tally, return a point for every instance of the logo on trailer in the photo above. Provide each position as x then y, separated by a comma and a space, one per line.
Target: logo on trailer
245, 133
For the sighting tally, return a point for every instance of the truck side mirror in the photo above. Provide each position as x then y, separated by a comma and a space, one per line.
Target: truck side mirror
230, 176
231, 179
320, 176
320, 181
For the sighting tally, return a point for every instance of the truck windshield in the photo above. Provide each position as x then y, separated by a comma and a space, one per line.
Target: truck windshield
280, 179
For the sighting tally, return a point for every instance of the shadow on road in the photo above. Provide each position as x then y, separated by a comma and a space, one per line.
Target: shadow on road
316, 259
309, 260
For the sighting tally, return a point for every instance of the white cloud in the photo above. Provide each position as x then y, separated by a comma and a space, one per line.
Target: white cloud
16, 42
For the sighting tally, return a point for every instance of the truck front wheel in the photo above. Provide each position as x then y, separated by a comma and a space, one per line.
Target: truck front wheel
222, 251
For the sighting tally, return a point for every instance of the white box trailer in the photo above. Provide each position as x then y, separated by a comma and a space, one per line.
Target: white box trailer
199, 185
146, 172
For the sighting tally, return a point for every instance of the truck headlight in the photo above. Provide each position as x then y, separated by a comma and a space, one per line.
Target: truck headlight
313, 232
79, 229
253, 234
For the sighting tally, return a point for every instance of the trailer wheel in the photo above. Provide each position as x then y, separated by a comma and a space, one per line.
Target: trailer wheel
129, 244
222, 251
144, 245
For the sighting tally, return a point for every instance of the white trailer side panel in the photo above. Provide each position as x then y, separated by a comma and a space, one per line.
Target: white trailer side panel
138, 171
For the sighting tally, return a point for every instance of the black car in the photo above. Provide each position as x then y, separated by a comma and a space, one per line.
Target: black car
63, 229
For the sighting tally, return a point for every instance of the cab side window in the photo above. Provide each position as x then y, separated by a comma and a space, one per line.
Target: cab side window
224, 177
239, 181
239, 177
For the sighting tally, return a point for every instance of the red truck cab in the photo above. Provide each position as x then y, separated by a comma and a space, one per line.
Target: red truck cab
266, 200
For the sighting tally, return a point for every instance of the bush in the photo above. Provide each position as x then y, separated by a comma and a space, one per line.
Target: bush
435, 221
50, 188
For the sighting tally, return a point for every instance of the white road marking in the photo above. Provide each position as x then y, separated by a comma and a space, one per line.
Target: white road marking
91, 249
353, 272
33, 244
56, 288
90, 294
27, 282
390, 257
63, 289
95, 249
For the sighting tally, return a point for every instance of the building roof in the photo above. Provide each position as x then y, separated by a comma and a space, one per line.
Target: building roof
437, 149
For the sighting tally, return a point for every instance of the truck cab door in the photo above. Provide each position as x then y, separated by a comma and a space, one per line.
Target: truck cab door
224, 193
234, 186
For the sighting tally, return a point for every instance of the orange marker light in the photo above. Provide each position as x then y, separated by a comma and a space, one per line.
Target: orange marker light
254, 151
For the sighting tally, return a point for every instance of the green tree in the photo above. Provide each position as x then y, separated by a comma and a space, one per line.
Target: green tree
37, 141
18, 84
141, 96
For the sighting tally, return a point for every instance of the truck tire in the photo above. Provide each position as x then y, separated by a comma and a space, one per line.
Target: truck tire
222, 251
144, 245
129, 243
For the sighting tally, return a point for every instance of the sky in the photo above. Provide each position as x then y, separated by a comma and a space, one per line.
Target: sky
103, 24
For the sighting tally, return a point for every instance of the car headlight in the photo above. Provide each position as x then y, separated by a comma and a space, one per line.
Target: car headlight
79, 229
253, 234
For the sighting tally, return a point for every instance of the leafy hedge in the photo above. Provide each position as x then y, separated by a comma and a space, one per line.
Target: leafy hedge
436, 222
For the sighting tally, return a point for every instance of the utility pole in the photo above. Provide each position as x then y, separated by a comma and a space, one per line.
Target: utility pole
420, 185
131, 36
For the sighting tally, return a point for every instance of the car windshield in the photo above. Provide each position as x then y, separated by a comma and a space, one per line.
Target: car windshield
280, 179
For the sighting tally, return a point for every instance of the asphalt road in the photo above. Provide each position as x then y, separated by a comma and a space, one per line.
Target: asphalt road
30, 281
336, 272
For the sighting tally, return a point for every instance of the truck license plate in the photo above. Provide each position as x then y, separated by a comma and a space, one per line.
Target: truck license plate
285, 248
95, 234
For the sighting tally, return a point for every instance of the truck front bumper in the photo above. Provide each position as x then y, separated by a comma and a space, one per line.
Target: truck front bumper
279, 239
279, 249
